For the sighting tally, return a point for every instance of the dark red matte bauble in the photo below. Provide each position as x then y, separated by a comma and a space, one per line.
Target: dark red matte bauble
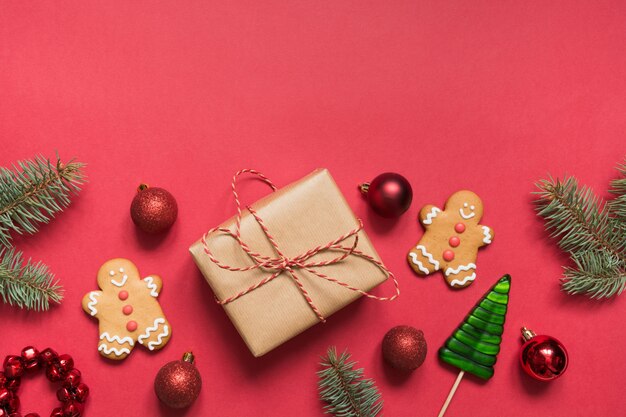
389, 194
178, 383
153, 209
542, 357
404, 348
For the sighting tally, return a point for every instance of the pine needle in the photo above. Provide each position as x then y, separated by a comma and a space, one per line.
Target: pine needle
591, 232
34, 192
27, 284
344, 389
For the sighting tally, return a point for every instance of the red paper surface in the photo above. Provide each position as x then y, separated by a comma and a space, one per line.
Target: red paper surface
489, 96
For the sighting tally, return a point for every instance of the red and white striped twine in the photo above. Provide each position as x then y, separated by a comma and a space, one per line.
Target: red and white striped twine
282, 263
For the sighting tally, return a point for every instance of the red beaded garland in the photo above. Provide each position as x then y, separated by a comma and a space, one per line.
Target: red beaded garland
72, 394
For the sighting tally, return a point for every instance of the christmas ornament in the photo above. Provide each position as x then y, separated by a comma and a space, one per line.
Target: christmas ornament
178, 383
344, 390
153, 209
475, 344
72, 394
389, 194
451, 240
404, 348
31, 195
542, 357
591, 232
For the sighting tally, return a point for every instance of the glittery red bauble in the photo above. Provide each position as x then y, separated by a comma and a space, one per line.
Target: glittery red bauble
542, 357
178, 383
404, 348
389, 194
153, 209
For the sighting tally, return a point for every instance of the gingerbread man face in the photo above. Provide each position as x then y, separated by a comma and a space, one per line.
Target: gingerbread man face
451, 239
127, 310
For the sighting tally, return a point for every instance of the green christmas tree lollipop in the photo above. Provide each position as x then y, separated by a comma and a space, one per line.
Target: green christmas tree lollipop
475, 344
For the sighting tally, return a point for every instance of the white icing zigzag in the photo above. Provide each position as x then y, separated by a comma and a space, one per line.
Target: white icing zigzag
92, 305
118, 352
121, 283
116, 338
149, 330
467, 267
462, 282
430, 216
418, 263
430, 257
159, 339
153, 288
487, 238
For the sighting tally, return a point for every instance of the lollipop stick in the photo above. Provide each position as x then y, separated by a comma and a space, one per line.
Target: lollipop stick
451, 394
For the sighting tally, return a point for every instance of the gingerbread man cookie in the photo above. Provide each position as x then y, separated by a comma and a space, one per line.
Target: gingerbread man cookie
127, 309
451, 239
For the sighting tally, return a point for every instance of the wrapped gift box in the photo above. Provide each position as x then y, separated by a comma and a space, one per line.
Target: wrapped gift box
303, 215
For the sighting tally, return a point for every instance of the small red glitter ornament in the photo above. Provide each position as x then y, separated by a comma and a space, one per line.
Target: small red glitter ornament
388, 194
178, 383
404, 348
542, 357
153, 209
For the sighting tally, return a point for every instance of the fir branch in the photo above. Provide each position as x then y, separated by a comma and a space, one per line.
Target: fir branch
617, 206
344, 390
26, 284
34, 192
591, 232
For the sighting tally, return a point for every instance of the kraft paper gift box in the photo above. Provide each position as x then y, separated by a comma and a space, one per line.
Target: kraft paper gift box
305, 214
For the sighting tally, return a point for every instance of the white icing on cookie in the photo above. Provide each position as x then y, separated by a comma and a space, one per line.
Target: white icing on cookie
121, 283
92, 304
467, 216
430, 216
487, 238
152, 329
159, 340
420, 266
116, 338
464, 280
451, 271
430, 257
122, 270
117, 352
112, 273
153, 287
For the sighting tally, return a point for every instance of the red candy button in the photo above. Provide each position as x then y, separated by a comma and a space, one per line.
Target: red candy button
459, 227
454, 241
448, 255
131, 326
123, 295
127, 309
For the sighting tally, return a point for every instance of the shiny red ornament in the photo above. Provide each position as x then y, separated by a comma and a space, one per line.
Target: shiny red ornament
72, 379
542, 357
13, 384
404, 348
178, 383
30, 356
5, 396
57, 412
66, 363
13, 366
32, 415
13, 405
47, 356
54, 372
153, 209
64, 395
72, 409
389, 194
81, 392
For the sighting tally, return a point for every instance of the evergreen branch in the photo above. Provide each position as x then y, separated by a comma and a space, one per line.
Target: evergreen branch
27, 285
617, 206
591, 232
344, 390
34, 192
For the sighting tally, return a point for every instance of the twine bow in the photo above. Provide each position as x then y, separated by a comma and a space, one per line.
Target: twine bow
280, 264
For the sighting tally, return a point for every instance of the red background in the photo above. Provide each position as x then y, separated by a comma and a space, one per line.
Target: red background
489, 96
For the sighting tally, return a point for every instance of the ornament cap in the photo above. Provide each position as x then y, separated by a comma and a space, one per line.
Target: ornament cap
527, 334
142, 186
189, 357
364, 188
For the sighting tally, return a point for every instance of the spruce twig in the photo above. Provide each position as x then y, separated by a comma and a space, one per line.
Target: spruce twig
30, 194
27, 284
591, 232
344, 389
